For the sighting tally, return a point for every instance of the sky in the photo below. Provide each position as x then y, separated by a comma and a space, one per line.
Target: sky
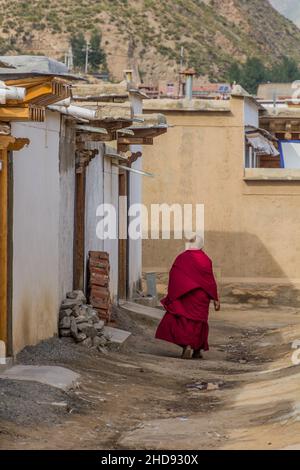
289, 8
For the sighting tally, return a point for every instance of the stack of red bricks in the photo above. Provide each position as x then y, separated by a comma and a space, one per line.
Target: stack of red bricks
99, 283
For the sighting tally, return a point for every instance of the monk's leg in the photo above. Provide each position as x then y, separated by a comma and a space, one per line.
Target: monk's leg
187, 352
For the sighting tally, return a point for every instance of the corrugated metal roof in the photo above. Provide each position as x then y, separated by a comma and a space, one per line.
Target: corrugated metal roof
25, 65
261, 144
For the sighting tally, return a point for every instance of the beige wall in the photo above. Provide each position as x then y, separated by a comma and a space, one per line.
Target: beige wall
251, 228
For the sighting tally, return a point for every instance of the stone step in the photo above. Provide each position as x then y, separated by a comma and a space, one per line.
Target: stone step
149, 312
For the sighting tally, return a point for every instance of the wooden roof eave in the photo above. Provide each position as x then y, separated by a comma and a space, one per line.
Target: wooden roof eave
22, 113
141, 135
42, 92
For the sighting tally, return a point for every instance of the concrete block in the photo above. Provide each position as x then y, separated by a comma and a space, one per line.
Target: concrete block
54, 376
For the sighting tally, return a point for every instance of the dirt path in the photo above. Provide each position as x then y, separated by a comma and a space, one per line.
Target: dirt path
146, 397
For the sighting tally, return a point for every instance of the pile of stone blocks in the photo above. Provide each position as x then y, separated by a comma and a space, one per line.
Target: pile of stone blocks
99, 294
81, 322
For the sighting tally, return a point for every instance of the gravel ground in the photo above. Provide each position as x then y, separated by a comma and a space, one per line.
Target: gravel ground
27, 403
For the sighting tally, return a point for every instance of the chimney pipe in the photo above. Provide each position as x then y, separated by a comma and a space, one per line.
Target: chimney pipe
128, 75
189, 75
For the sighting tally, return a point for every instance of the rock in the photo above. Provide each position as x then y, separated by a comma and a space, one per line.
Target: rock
212, 386
81, 319
90, 331
88, 342
68, 303
92, 315
80, 337
82, 326
77, 311
74, 329
65, 313
99, 325
243, 361
65, 322
99, 341
77, 295
102, 350
65, 332
253, 293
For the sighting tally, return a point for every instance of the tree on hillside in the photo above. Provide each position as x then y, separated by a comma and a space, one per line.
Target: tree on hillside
78, 44
286, 71
97, 56
235, 73
254, 72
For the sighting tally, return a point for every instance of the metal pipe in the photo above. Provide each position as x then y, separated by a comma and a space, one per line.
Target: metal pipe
11, 93
75, 111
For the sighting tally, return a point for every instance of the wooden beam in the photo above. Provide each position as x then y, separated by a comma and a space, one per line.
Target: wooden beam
135, 140
11, 113
38, 91
28, 82
3, 245
18, 144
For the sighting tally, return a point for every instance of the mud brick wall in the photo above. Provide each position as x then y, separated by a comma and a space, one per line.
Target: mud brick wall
99, 294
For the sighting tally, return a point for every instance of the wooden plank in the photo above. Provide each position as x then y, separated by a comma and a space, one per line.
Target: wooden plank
135, 140
3, 245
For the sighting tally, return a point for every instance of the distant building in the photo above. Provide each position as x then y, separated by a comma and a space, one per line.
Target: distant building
215, 153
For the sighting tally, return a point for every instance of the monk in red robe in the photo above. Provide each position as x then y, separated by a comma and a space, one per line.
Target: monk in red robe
192, 287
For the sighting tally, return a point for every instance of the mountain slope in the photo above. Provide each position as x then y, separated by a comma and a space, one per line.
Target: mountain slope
288, 8
148, 34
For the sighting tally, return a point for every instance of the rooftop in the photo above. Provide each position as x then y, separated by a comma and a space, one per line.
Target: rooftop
269, 91
104, 91
27, 65
197, 105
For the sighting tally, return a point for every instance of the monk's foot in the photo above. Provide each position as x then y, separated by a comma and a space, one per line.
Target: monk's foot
197, 354
187, 353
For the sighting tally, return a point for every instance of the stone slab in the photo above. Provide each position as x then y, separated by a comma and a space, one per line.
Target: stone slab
116, 336
54, 376
149, 312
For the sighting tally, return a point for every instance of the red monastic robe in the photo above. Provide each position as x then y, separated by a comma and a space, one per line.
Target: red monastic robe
191, 288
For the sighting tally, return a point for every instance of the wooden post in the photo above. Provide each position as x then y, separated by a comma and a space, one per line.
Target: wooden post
122, 290
79, 231
3, 244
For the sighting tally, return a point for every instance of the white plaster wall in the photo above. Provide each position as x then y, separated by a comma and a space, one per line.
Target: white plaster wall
251, 113
102, 186
67, 206
36, 232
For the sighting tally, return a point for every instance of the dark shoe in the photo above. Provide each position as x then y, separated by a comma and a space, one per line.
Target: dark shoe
187, 353
197, 354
